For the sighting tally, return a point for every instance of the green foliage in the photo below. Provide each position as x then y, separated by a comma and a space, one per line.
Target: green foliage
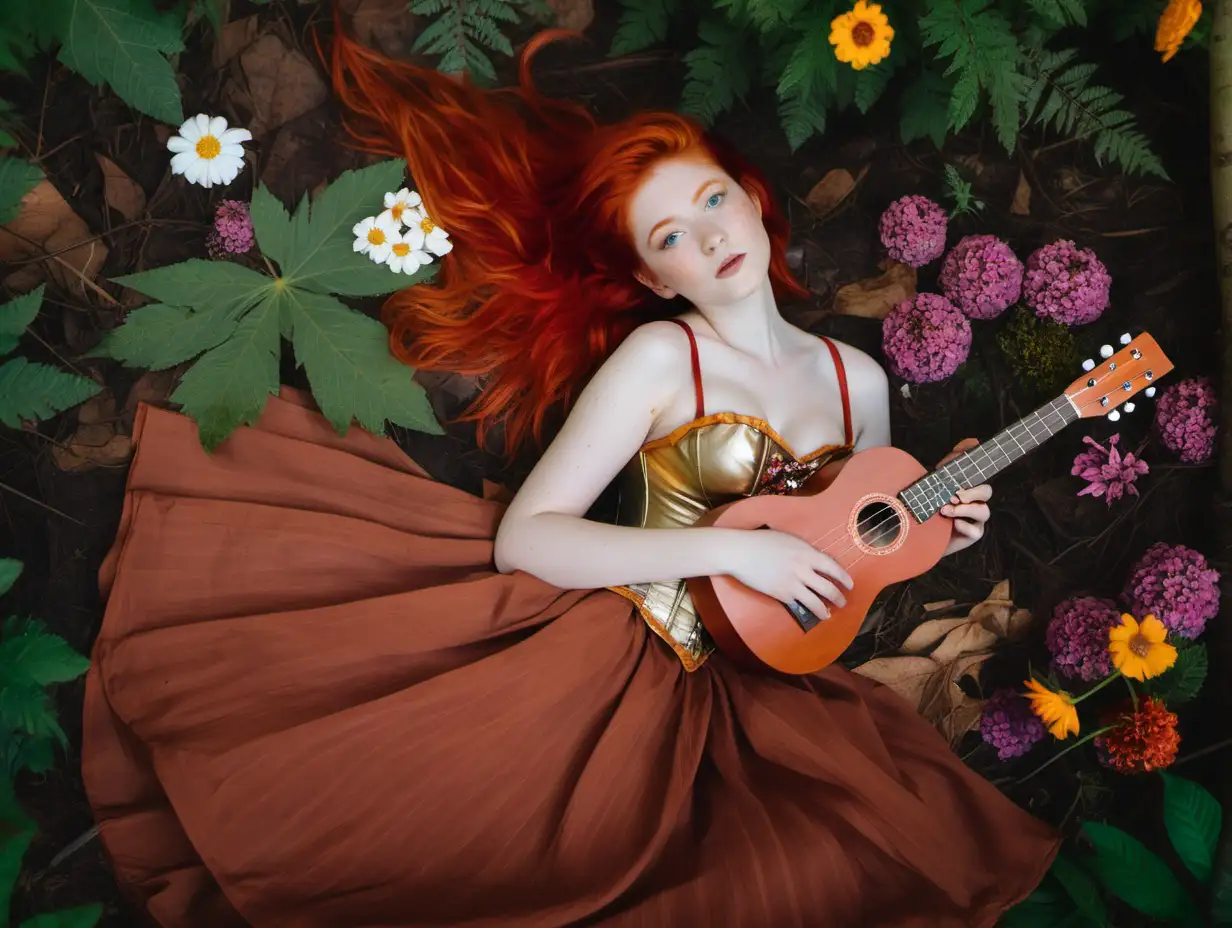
1041, 352
232, 319
17, 178
718, 73
1081, 887
1135, 875
642, 24
464, 31
926, 109
959, 190
1193, 818
1060, 13
1181, 682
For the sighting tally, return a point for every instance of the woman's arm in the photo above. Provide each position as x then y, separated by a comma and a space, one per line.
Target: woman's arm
868, 389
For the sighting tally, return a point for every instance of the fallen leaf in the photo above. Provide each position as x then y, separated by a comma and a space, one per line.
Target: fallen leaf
939, 605
448, 393
123, 194
282, 83
874, 297
832, 190
1021, 206
47, 225
907, 676
386, 25
927, 634
152, 387
573, 14
234, 38
98, 441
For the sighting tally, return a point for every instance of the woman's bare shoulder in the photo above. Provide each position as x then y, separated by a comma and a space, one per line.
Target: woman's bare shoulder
862, 369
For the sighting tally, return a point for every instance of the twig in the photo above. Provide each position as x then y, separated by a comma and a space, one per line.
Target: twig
1209, 749
31, 499
76, 845
38, 143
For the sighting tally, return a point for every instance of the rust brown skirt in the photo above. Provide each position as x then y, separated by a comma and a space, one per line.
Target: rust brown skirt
314, 703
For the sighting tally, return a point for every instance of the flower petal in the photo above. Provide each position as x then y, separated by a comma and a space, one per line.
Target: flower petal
192, 171
189, 130
203, 124
1153, 630
218, 125
177, 143
180, 162
235, 136
439, 247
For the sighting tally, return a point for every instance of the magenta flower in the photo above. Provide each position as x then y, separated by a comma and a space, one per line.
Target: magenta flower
1185, 419
1077, 636
1066, 284
982, 276
1107, 472
1009, 725
232, 233
925, 338
913, 230
1174, 584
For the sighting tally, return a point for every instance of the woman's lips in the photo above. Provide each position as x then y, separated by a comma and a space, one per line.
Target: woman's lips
730, 266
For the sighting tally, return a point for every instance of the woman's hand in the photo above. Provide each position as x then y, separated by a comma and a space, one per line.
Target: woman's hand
788, 568
969, 509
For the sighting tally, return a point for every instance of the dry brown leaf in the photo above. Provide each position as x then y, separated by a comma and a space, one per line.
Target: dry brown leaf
235, 37
1021, 206
907, 676
47, 225
573, 14
874, 297
152, 387
282, 83
386, 25
98, 442
939, 605
973, 635
832, 190
123, 194
927, 634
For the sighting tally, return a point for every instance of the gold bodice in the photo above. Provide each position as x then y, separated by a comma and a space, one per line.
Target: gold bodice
672, 481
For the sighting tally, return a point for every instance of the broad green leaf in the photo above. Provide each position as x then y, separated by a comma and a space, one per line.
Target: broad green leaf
352, 373
271, 223
123, 43
10, 570
28, 708
157, 337
1183, 680
1135, 875
16, 832
39, 657
228, 386
17, 178
925, 109
206, 286
16, 315
37, 391
309, 260
1080, 887
1193, 819
7, 140
85, 916
1046, 907
339, 269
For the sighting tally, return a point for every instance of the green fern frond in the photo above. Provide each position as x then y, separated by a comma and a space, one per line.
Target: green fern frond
1060, 96
642, 24
984, 54
461, 32
765, 15
808, 81
871, 84
925, 109
1060, 13
718, 71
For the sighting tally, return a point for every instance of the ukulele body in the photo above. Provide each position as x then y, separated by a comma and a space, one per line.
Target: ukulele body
857, 519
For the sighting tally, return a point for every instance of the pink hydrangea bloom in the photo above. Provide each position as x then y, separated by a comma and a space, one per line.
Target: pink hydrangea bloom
913, 230
1185, 419
1174, 584
1077, 636
1067, 284
1009, 725
233, 234
925, 338
982, 276
1107, 472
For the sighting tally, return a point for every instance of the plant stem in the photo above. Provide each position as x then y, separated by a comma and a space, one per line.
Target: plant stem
1133, 694
1097, 687
1060, 754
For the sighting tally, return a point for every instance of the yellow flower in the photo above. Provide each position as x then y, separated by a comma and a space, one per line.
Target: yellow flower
1138, 649
862, 36
1055, 708
1176, 22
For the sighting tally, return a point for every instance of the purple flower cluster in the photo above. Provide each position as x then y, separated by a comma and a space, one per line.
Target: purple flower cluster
232, 234
913, 230
925, 338
1173, 583
1107, 472
1185, 419
1077, 636
1067, 284
982, 276
1009, 725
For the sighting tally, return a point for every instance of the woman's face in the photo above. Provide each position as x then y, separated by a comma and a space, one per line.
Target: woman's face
698, 233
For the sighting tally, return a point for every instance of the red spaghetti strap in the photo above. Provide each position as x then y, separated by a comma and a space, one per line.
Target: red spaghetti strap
697, 368
842, 387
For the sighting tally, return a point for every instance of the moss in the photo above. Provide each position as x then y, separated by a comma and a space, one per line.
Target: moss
1041, 352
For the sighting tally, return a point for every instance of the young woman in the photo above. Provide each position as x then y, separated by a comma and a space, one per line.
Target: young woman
330, 692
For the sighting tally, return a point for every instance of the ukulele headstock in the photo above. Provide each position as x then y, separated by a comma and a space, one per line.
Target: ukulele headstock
1116, 377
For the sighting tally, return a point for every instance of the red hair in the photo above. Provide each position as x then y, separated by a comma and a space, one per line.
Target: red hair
539, 288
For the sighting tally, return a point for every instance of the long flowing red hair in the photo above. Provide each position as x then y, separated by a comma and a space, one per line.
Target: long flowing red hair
539, 288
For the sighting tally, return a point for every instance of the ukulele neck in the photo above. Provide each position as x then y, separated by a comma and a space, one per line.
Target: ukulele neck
927, 495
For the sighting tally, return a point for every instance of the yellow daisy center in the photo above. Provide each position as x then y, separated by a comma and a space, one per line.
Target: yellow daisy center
208, 147
396, 211
863, 34
402, 249
376, 237
427, 225
1140, 645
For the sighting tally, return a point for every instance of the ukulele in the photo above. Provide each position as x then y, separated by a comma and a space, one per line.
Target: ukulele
878, 519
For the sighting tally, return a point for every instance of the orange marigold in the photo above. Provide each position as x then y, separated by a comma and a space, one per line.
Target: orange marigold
1175, 24
1143, 739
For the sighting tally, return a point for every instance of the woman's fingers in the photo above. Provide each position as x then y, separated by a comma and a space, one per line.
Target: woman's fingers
978, 512
826, 588
812, 602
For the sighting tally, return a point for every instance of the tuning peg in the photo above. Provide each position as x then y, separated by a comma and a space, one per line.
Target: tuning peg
1105, 351
1125, 339
1149, 391
1114, 415
1088, 365
1128, 407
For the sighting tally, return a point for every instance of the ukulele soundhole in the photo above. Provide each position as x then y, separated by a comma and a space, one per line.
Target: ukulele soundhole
878, 525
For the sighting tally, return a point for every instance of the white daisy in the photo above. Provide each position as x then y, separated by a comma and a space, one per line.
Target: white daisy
400, 207
207, 152
375, 237
436, 239
405, 257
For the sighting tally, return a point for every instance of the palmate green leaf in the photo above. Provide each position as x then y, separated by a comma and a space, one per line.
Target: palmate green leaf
16, 315
227, 387
158, 337
38, 391
10, 570
85, 916
123, 43
642, 24
16, 832
38, 657
1136, 875
206, 286
352, 373
17, 178
1193, 818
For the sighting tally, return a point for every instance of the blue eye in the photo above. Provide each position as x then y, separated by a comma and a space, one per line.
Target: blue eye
670, 240
715, 200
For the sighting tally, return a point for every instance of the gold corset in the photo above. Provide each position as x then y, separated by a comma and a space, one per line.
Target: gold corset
673, 480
